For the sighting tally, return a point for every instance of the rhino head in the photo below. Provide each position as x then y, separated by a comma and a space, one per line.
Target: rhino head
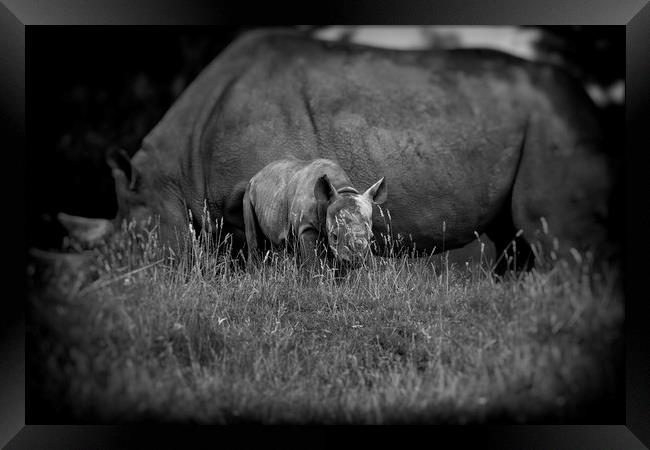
349, 218
136, 201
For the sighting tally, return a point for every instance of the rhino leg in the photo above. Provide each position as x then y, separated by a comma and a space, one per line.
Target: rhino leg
560, 198
308, 241
233, 214
512, 251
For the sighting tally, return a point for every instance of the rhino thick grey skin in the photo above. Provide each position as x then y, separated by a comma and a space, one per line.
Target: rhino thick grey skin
468, 140
309, 203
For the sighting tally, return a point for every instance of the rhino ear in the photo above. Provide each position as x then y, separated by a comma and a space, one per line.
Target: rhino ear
120, 162
323, 190
377, 192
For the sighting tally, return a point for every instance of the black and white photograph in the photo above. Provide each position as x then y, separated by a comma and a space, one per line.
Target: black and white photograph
325, 225
328, 225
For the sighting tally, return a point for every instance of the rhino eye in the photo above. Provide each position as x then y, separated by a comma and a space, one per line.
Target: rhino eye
334, 238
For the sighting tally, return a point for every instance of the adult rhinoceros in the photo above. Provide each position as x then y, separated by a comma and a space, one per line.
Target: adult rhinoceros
468, 141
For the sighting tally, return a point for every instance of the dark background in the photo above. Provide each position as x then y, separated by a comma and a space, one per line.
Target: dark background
92, 90
97, 88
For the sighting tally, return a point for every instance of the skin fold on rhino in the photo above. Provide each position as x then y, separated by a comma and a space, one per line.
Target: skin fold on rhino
470, 141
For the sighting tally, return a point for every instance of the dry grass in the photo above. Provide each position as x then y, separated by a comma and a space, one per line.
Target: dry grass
404, 339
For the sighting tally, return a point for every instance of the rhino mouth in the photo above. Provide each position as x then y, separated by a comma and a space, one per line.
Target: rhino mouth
354, 259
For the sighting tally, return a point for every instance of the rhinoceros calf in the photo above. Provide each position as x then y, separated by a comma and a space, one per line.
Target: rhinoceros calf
307, 203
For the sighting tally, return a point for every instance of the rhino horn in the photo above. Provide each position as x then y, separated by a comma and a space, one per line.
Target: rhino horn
85, 230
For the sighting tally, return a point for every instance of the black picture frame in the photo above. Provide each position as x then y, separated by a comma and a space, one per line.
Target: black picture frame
16, 15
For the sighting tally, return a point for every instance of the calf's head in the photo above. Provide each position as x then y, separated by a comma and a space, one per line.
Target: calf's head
349, 218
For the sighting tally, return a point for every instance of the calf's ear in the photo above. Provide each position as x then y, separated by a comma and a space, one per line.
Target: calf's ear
377, 192
323, 190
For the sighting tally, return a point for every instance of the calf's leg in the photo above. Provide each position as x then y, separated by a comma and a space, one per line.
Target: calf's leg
308, 241
251, 227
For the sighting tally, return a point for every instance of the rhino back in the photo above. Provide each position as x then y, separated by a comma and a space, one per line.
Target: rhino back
269, 191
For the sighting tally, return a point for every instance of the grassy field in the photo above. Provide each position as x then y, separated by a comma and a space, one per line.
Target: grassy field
403, 340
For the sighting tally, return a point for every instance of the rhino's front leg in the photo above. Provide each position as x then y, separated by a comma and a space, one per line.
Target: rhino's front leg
309, 249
